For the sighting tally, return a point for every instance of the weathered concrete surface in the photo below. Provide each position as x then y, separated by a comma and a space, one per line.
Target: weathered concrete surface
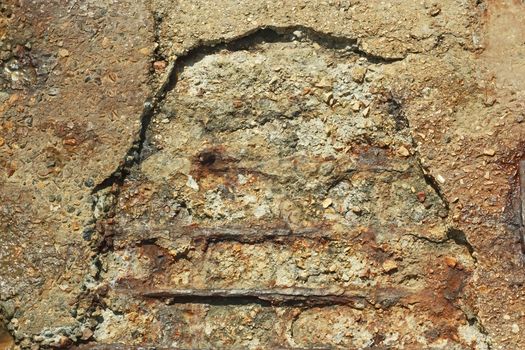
196, 174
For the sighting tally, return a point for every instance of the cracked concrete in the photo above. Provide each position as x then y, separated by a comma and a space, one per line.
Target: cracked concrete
213, 161
260, 175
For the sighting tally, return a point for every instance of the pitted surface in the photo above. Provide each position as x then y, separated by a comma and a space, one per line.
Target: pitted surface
256, 174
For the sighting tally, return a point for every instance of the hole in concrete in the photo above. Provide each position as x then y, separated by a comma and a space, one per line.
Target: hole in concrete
281, 172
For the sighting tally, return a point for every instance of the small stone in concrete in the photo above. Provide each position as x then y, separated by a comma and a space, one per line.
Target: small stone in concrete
489, 152
389, 266
358, 74
327, 202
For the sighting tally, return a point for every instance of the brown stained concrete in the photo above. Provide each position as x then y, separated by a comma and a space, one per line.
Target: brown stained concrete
261, 174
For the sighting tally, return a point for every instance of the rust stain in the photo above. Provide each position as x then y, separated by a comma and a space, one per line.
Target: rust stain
521, 176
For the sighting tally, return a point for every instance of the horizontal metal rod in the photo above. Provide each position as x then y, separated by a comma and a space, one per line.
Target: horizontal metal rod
244, 234
274, 296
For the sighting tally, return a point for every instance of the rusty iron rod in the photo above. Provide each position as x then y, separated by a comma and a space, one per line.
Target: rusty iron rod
276, 295
522, 204
255, 235
243, 234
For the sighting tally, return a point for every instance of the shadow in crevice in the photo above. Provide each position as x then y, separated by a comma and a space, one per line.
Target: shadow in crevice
459, 237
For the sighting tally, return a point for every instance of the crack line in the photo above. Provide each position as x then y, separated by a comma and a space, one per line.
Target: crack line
453, 234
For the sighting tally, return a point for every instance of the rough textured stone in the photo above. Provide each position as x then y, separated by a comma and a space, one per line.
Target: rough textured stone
261, 174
